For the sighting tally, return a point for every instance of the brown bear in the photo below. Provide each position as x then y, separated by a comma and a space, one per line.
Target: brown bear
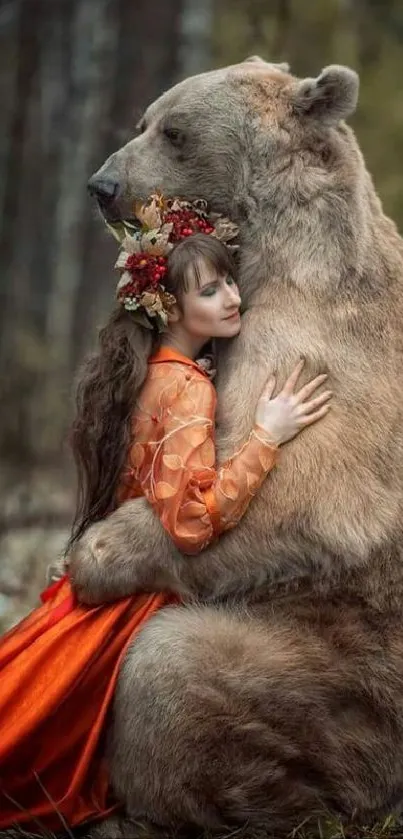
275, 692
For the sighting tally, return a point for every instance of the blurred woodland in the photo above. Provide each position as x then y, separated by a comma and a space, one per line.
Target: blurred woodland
74, 77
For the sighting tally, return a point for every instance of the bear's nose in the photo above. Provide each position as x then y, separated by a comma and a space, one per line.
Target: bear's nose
103, 187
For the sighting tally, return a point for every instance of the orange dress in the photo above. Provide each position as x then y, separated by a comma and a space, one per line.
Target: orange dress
58, 667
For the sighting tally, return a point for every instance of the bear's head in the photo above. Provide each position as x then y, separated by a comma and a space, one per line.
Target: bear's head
226, 135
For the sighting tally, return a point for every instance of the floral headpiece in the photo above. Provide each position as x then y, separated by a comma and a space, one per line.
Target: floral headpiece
147, 239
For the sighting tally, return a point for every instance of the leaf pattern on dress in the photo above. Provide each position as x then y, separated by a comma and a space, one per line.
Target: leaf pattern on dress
173, 461
195, 435
137, 455
266, 458
169, 394
194, 509
207, 453
164, 490
229, 487
252, 480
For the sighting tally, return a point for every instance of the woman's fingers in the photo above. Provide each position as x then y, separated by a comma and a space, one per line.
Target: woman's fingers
268, 389
289, 386
309, 388
308, 407
311, 418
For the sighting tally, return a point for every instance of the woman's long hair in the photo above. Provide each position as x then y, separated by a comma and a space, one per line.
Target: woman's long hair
107, 389
109, 383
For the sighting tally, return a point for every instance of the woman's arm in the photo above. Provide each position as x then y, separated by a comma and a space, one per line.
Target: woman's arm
176, 468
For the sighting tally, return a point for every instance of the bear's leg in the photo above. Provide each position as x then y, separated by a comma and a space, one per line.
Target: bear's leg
222, 719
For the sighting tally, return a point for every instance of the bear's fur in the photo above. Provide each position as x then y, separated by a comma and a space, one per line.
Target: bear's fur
276, 693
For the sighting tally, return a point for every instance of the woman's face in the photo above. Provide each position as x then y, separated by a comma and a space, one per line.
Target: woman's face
210, 307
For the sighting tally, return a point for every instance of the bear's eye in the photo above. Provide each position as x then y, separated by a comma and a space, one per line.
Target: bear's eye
174, 135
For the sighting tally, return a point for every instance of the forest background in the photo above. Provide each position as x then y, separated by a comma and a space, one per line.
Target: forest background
75, 76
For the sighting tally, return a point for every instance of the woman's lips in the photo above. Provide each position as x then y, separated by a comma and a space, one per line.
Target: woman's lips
234, 316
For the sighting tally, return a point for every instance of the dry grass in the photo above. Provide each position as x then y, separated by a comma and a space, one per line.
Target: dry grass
326, 828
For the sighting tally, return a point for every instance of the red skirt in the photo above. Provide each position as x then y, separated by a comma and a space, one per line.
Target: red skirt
58, 670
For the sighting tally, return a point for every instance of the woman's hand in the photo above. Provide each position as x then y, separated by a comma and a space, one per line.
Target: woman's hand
283, 417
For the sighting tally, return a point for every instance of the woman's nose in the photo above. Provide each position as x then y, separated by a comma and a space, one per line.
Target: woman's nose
232, 296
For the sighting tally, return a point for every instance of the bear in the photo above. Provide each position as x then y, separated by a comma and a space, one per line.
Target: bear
274, 691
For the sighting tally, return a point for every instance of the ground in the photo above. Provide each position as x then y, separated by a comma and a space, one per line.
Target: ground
390, 828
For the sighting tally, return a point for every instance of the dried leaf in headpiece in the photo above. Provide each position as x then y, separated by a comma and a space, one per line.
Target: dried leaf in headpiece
146, 241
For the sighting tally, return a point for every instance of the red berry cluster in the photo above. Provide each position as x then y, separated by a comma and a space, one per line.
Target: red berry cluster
147, 272
185, 223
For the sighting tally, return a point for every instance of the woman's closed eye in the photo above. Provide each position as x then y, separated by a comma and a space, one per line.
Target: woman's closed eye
208, 291
212, 288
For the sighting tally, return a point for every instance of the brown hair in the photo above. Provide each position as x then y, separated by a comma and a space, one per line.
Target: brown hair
187, 255
109, 383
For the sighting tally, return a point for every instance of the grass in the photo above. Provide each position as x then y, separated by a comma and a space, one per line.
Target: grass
323, 827
326, 828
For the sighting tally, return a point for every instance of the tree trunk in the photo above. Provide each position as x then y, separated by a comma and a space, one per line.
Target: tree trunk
25, 53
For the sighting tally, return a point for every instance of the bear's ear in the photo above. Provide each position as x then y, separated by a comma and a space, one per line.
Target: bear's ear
331, 97
284, 67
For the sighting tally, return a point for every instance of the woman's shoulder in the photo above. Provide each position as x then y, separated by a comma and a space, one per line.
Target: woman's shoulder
171, 391
178, 372
173, 374
173, 383
167, 362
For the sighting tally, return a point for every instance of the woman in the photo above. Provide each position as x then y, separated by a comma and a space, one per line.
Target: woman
144, 426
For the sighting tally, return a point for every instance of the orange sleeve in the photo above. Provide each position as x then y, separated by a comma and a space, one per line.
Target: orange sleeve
195, 501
